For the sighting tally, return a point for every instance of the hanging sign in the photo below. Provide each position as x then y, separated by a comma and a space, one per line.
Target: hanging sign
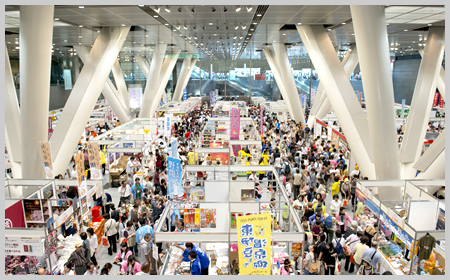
441, 103
261, 118
436, 98
235, 126
175, 188
184, 94
79, 160
50, 127
14, 217
67, 76
366, 192
64, 217
84, 206
94, 161
47, 159
396, 218
167, 123
403, 107
24, 246
173, 152
254, 244
157, 125
135, 97
212, 98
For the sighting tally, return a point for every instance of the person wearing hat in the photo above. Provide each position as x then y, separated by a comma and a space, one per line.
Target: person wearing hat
286, 269
365, 268
345, 190
79, 259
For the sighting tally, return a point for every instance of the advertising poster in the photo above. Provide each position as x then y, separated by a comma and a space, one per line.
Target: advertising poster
335, 139
254, 244
403, 108
235, 126
94, 161
441, 103
435, 99
198, 193
79, 161
394, 228
360, 196
14, 216
167, 123
47, 159
175, 188
343, 146
50, 127
33, 211
84, 205
24, 246
173, 151
47, 192
135, 96
441, 220
208, 218
233, 218
192, 218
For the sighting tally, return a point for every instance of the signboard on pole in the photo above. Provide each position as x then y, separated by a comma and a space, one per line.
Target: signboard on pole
50, 127
254, 244
184, 94
94, 161
167, 123
47, 159
235, 126
403, 108
175, 188
67, 76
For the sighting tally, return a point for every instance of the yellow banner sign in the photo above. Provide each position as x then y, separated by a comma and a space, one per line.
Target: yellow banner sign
79, 160
254, 244
94, 161
47, 158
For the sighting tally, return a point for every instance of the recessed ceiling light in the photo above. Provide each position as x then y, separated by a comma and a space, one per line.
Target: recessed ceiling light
65, 40
80, 36
146, 36
430, 24
79, 43
81, 7
387, 23
123, 24
174, 30
329, 29
344, 23
284, 34
259, 15
166, 24
141, 5
17, 48
80, 25
299, 23
155, 16
252, 29
211, 23
56, 18
274, 41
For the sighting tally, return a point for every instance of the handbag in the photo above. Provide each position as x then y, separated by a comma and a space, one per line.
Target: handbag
314, 267
345, 203
337, 270
347, 249
105, 241
352, 259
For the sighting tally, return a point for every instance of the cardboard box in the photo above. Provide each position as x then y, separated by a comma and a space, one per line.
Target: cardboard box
441, 260
438, 271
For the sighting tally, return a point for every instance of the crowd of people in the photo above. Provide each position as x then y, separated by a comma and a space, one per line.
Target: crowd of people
309, 169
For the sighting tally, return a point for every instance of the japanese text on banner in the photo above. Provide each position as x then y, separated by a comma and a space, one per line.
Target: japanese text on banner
174, 177
254, 244
235, 126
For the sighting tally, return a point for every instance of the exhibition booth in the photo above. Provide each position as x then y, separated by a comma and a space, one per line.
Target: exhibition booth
410, 218
210, 210
38, 214
223, 108
179, 108
278, 108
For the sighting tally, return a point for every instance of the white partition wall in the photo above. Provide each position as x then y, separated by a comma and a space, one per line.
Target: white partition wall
236, 188
423, 214
222, 210
216, 191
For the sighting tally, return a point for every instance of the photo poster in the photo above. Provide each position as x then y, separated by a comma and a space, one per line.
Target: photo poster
84, 205
233, 219
360, 196
208, 218
47, 191
343, 145
254, 244
94, 161
296, 250
235, 127
192, 218
33, 210
175, 188
24, 246
198, 193
47, 159
441, 220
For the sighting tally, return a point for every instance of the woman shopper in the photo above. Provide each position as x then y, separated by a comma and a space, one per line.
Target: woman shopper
93, 242
286, 269
106, 269
123, 254
329, 259
335, 205
86, 246
310, 261
68, 268
359, 249
130, 234
110, 232
343, 220
349, 247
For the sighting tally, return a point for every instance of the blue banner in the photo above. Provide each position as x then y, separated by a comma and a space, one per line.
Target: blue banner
212, 98
173, 152
403, 236
184, 94
175, 189
372, 207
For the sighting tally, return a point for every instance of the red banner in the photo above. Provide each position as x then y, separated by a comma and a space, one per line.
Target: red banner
436, 97
441, 104
14, 216
260, 76
235, 126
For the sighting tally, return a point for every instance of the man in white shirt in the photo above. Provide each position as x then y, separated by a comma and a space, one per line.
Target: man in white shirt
73, 174
130, 165
91, 269
125, 192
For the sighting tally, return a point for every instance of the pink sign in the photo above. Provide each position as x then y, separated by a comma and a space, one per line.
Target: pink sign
235, 127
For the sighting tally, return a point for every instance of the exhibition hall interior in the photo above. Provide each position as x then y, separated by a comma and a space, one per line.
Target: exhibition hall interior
224, 139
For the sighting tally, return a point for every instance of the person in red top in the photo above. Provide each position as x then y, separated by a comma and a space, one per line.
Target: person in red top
93, 133
156, 178
187, 134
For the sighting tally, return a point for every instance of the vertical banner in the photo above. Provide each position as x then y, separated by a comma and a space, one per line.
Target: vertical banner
211, 98
335, 139
175, 188
261, 117
403, 108
50, 127
173, 152
47, 159
94, 161
184, 94
441, 104
14, 217
82, 187
254, 244
435, 100
135, 96
157, 124
313, 94
167, 123
67, 79
235, 127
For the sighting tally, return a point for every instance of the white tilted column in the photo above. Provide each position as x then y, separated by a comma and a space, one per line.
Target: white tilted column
436, 169
185, 80
178, 92
419, 115
84, 95
169, 63
108, 89
284, 68
36, 35
369, 23
153, 80
270, 57
440, 80
12, 113
121, 85
341, 95
143, 65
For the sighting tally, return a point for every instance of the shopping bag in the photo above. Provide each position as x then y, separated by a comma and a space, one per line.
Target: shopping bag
337, 270
105, 241
352, 259
345, 203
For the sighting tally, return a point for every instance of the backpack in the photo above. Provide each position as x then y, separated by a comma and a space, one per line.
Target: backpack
328, 221
287, 168
339, 249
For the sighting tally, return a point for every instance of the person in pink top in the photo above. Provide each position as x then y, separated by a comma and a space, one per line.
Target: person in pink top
286, 268
343, 220
333, 162
130, 266
123, 254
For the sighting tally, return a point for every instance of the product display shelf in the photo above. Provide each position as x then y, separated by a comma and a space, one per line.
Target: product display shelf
99, 230
64, 253
173, 255
394, 263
